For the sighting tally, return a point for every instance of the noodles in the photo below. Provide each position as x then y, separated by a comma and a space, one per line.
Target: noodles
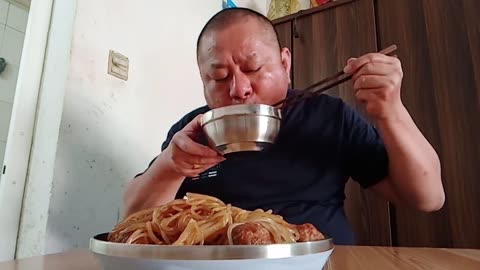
205, 220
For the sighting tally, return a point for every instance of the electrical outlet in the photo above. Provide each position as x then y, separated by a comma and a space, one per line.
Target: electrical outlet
118, 65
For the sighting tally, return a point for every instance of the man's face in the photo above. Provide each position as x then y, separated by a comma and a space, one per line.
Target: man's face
241, 64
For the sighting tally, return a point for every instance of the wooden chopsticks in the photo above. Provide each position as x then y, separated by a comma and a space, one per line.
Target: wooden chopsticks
325, 84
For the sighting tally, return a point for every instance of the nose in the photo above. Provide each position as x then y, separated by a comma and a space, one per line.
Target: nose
240, 87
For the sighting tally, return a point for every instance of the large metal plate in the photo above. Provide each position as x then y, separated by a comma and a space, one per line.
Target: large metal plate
305, 256
100, 245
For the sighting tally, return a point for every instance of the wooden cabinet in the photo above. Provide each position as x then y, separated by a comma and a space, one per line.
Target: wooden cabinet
439, 46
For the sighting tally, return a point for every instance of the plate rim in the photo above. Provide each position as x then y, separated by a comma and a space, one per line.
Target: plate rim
99, 245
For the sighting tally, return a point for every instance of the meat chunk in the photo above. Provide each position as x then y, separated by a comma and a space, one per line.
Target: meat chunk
251, 234
256, 234
308, 232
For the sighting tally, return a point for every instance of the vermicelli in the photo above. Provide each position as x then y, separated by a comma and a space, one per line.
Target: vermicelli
199, 220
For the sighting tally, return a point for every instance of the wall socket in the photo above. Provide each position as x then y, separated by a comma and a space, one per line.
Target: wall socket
118, 65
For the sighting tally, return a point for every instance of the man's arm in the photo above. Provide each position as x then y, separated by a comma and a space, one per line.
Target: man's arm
414, 167
182, 158
157, 186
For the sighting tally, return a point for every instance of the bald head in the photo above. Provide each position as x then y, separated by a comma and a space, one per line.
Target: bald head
240, 59
228, 17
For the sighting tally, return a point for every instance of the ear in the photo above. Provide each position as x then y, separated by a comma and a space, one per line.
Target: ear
286, 59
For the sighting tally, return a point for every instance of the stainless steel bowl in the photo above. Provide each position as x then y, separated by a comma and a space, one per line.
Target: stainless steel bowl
308, 255
245, 127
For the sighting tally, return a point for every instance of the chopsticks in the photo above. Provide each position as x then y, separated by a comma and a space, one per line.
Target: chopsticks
325, 84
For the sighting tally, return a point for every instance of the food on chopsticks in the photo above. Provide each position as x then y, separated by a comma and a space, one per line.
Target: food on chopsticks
204, 220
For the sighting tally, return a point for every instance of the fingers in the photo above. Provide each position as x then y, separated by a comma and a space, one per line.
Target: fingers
188, 145
364, 95
189, 157
199, 160
354, 64
192, 158
377, 75
376, 69
377, 80
184, 139
190, 171
189, 165
192, 161
373, 81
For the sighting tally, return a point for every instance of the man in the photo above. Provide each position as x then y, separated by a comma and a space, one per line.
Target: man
322, 141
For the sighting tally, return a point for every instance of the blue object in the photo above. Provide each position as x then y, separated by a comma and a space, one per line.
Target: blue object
228, 4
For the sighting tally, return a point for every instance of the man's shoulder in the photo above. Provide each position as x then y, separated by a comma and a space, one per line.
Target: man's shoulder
180, 124
199, 110
321, 103
189, 117
326, 110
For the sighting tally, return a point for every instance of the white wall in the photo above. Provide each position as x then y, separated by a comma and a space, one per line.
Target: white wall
108, 129
13, 21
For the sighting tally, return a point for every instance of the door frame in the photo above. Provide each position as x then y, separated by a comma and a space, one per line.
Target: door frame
13, 174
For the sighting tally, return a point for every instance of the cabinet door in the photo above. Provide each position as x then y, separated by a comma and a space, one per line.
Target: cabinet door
284, 31
439, 46
325, 41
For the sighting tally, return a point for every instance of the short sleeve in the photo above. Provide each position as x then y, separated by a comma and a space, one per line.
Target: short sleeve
364, 150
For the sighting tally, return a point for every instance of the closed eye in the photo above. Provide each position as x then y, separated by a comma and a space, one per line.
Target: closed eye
219, 76
221, 79
254, 70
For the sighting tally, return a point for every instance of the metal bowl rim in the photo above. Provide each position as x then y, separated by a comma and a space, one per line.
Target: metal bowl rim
213, 252
241, 109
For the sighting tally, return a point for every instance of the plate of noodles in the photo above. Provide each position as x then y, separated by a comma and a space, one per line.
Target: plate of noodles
202, 232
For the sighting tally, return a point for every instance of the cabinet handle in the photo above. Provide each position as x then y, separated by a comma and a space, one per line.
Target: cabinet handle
3, 64
295, 30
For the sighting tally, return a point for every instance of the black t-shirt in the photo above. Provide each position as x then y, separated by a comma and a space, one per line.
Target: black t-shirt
322, 142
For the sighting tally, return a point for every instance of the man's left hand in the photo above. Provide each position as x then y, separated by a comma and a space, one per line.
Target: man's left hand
377, 79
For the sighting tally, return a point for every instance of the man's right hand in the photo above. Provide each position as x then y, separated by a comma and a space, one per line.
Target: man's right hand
187, 157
